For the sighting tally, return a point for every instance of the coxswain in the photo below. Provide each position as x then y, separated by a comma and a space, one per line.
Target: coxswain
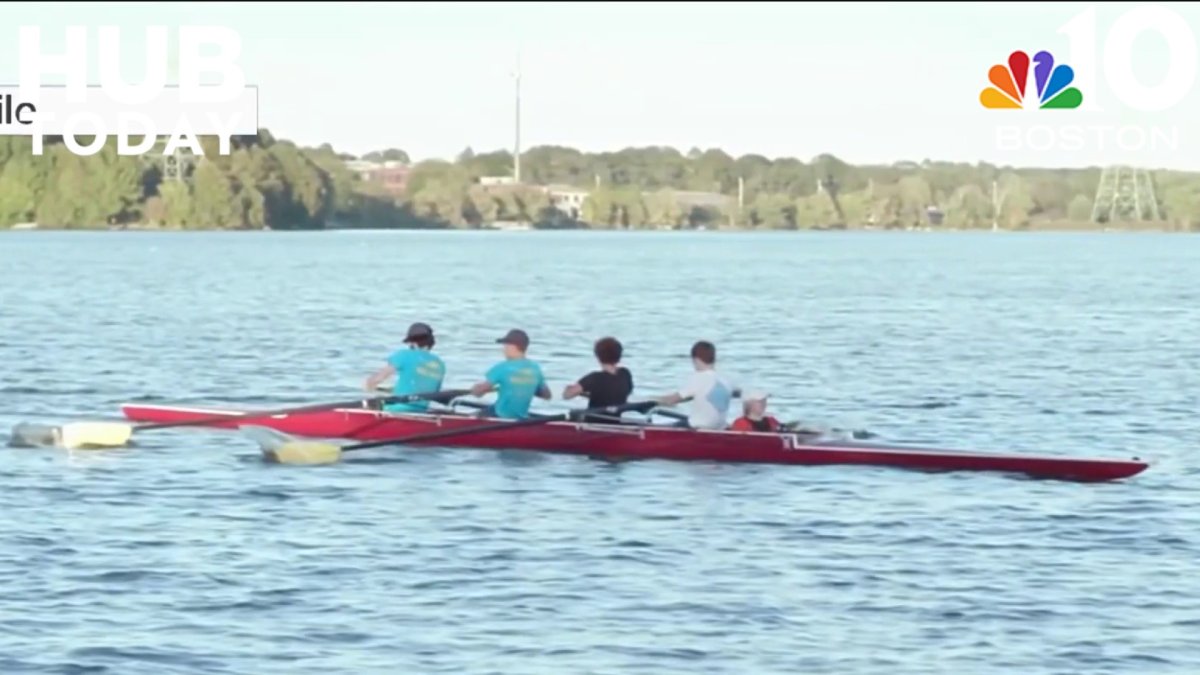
416, 368
516, 380
609, 386
754, 414
710, 392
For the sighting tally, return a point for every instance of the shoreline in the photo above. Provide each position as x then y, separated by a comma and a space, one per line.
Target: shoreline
510, 232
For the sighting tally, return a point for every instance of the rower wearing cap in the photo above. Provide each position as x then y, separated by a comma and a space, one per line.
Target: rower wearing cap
709, 391
417, 369
516, 380
754, 414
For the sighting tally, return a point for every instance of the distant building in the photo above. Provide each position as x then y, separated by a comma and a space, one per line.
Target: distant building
361, 167
391, 175
491, 181
567, 199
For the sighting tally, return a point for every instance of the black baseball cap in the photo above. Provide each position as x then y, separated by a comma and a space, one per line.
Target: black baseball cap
515, 337
417, 331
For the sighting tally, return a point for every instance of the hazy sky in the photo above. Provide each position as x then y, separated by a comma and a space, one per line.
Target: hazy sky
867, 82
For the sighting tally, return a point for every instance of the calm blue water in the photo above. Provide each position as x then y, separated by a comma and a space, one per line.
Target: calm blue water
188, 555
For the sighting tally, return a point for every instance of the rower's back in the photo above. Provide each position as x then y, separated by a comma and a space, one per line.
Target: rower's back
709, 391
711, 394
418, 371
517, 382
612, 384
604, 388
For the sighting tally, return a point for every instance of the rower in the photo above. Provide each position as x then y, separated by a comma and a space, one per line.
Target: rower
417, 369
516, 380
709, 391
754, 414
609, 386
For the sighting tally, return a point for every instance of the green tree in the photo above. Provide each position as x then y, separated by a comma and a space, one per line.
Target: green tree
22, 184
176, 205
267, 182
389, 155
1015, 202
1080, 209
213, 199
531, 204
969, 208
817, 211
915, 196
488, 205
775, 212
663, 208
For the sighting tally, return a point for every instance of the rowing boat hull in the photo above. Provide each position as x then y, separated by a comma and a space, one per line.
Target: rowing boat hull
641, 442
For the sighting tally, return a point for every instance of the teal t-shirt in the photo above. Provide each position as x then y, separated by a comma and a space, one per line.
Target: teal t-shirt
516, 382
417, 372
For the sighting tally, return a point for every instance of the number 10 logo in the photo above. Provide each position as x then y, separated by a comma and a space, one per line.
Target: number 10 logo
1118, 58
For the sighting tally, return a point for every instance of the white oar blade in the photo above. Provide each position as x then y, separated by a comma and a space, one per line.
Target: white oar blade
28, 435
94, 435
280, 448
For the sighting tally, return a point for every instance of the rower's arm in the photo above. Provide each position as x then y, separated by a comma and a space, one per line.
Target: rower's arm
379, 376
544, 392
670, 399
482, 388
579, 388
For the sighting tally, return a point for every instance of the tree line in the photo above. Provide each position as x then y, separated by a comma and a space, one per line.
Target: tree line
273, 183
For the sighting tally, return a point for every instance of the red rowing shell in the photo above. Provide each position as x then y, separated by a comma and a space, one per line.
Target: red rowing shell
641, 442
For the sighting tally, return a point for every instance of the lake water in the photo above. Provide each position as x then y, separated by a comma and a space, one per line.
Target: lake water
189, 555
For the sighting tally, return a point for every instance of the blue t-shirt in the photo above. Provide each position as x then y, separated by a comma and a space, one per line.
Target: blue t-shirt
517, 382
417, 372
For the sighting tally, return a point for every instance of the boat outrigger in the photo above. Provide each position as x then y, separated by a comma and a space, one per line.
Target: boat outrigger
627, 441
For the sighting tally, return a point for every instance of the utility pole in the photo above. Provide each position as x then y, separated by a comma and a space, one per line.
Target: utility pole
741, 203
517, 143
997, 204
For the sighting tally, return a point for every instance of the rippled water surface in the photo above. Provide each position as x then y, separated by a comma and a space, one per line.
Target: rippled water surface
187, 554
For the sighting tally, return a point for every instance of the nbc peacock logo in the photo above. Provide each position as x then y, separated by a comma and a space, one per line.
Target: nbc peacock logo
1052, 82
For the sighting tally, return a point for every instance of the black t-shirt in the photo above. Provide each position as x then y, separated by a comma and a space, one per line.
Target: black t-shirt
605, 389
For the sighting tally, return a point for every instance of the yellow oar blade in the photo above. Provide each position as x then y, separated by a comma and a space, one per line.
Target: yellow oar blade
304, 452
282, 448
94, 435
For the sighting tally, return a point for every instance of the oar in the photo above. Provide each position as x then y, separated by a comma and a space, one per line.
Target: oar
94, 435
671, 414
284, 450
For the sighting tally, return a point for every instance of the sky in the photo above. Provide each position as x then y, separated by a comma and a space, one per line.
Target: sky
868, 82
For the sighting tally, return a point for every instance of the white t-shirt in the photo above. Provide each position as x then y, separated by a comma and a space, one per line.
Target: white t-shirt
711, 394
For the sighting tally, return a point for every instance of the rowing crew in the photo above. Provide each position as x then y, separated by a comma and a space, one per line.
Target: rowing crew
518, 380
